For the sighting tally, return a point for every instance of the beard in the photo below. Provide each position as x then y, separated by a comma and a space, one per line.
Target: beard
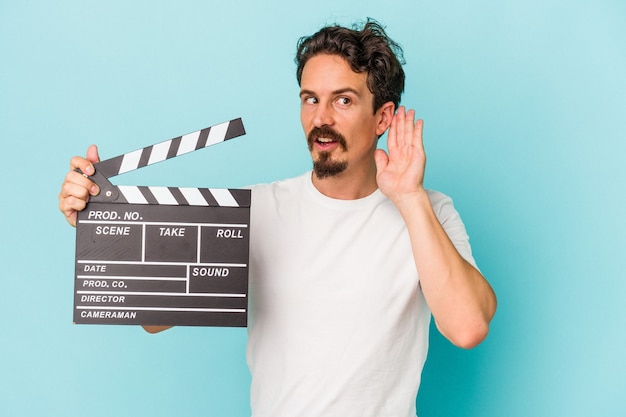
324, 166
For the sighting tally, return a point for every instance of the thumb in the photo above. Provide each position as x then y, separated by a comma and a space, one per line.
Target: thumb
381, 159
92, 154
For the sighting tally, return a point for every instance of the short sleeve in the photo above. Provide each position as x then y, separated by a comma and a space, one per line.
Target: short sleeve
451, 222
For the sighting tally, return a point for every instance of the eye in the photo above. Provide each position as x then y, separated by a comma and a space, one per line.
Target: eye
344, 101
309, 100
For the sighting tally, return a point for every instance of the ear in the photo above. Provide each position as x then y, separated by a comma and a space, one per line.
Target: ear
385, 115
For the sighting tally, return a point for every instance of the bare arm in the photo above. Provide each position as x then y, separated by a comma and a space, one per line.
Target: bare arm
156, 329
461, 300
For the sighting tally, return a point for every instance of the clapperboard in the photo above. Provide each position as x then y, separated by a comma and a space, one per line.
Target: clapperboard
163, 255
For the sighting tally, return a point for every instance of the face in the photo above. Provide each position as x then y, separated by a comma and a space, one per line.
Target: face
337, 116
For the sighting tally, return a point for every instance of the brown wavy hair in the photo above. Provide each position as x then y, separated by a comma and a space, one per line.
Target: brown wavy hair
367, 48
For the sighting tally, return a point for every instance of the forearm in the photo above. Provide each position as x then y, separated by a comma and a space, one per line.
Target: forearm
155, 329
461, 300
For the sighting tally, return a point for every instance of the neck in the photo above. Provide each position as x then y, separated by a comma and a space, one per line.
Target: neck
348, 185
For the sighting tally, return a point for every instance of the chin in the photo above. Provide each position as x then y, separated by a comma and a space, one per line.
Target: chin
324, 167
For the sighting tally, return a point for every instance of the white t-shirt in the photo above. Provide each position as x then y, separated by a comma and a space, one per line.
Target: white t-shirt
338, 323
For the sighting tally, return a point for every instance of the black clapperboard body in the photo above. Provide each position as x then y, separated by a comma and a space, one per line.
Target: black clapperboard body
163, 255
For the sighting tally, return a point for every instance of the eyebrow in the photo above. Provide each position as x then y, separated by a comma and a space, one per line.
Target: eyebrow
335, 92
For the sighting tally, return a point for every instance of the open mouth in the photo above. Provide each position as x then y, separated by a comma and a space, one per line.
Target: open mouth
325, 139
325, 144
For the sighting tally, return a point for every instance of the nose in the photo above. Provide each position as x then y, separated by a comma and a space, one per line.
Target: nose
323, 115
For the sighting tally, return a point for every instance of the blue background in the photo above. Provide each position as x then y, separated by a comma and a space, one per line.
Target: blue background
524, 105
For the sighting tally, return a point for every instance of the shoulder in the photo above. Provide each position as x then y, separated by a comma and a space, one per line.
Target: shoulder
284, 193
285, 185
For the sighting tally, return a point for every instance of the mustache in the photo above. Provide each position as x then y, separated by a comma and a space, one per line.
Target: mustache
326, 132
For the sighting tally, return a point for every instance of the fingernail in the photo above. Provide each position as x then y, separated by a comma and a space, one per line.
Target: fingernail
94, 189
89, 170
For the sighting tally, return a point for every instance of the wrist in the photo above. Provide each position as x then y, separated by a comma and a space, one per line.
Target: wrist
412, 200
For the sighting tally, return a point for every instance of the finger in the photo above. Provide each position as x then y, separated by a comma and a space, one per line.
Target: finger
74, 195
85, 165
398, 121
78, 185
409, 128
72, 198
381, 159
418, 134
70, 206
401, 125
72, 218
75, 185
92, 154
393, 134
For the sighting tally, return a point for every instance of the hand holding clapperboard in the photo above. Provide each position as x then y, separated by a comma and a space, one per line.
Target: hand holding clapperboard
163, 255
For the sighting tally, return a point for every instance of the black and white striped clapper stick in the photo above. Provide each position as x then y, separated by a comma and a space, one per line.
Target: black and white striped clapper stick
163, 255
160, 152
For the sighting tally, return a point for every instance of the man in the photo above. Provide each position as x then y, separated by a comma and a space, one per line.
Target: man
348, 262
